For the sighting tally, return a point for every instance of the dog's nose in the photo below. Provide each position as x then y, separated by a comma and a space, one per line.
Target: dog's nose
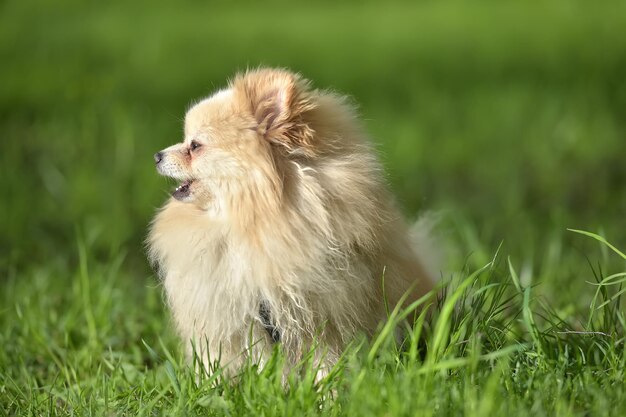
158, 157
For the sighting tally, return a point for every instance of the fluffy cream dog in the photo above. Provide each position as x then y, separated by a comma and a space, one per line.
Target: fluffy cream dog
282, 227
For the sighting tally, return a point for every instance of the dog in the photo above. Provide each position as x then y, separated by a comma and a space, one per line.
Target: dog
282, 229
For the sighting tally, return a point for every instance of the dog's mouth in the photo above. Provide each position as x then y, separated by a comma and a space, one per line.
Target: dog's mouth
183, 190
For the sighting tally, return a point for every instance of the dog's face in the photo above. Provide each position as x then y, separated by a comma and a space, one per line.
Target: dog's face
232, 140
219, 147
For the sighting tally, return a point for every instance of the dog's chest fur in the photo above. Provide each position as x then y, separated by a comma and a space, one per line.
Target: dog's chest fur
230, 294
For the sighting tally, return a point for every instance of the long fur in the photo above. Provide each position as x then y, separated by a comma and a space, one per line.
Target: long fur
289, 207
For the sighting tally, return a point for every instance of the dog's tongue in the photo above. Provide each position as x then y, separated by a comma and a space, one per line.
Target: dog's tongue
182, 191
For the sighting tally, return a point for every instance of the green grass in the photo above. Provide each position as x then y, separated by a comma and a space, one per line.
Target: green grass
89, 340
509, 118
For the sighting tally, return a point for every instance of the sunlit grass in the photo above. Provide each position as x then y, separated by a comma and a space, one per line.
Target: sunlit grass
508, 117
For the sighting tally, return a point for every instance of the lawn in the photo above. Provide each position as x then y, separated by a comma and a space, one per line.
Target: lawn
506, 118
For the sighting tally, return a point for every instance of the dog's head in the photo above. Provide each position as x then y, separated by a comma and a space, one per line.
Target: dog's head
234, 139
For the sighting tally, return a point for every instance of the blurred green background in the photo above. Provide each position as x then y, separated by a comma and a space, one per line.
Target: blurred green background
508, 117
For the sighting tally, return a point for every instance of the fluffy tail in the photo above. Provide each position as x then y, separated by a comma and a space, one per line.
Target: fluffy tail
427, 245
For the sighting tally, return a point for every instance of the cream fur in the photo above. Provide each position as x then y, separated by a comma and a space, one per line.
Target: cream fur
289, 206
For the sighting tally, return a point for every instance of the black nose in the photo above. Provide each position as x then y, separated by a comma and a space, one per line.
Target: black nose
158, 157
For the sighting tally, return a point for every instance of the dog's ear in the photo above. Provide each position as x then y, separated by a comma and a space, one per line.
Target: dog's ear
279, 101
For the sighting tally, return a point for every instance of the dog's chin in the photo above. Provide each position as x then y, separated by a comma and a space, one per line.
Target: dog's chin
183, 191
194, 192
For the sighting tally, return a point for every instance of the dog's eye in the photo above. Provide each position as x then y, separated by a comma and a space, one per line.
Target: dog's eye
194, 145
